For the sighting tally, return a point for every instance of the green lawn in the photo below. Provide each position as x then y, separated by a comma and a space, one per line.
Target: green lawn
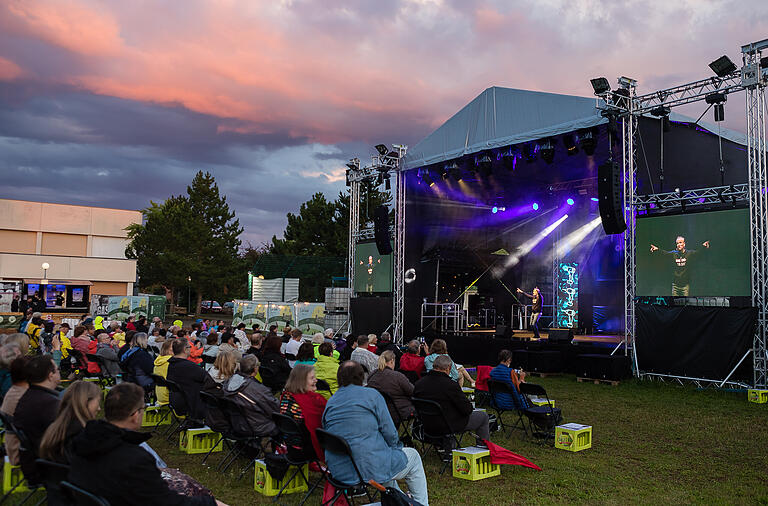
652, 443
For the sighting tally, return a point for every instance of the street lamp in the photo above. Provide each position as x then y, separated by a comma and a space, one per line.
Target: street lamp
189, 293
45, 267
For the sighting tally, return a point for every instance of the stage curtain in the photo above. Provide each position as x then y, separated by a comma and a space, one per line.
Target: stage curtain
699, 342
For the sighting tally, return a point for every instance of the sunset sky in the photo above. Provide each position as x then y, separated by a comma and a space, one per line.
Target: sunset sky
116, 103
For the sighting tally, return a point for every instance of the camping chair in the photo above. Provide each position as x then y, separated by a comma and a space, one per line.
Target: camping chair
187, 422
175, 418
9, 428
81, 497
51, 476
214, 405
542, 419
497, 388
32, 478
80, 367
400, 422
105, 377
427, 409
482, 392
242, 440
300, 451
336, 444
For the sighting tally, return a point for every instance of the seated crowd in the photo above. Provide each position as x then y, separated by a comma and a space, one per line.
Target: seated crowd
345, 386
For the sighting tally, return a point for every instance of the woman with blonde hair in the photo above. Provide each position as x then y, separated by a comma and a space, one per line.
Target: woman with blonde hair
80, 403
225, 366
458, 373
301, 401
393, 383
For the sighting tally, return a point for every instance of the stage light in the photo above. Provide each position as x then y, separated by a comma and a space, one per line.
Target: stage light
588, 140
379, 178
663, 113
509, 158
535, 206
547, 150
715, 98
454, 171
577, 237
723, 66
529, 152
570, 144
595, 199
425, 177
346, 178
719, 113
570, 201
443, 172
494, 209
528, 245
382, 149
600, 85
485, 164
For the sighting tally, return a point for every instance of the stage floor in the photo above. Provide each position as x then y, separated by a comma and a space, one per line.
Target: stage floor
522, 334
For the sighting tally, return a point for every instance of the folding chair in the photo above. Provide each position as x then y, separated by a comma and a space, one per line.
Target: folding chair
9, 428
51, 476
336, 444
412, 376
440, 433
81, 497
300, 451
242, 441
400, 422
215, 404
33, 478
497, 389
105, 377
541, 419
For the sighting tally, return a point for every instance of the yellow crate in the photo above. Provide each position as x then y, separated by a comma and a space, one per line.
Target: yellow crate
199, 440
538, 401
266, 485
153, 414
757, 396
573, 437
12, 475
474, 463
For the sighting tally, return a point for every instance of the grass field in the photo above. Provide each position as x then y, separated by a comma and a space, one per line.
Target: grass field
652, 443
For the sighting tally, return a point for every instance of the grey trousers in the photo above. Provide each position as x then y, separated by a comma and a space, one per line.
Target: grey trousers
478, 423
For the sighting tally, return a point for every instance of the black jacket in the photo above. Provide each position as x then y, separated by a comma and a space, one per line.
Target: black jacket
191, 378
439, 387
35, 411
138, 367
108, 461
274, 370
256, 401
383, 346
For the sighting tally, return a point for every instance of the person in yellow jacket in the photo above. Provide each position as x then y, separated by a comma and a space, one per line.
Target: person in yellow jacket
66, 344
117, 333
326, 368
33, 330
161, 369
98, 323
317, 340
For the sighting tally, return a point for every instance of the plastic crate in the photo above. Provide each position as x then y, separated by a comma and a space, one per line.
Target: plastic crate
573, 437
757, 396
154, 414
12, 476
199, 440
473, 463
539, 401
266, 485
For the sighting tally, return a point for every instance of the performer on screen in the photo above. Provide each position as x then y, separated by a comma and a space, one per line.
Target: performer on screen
681, 279
535, 307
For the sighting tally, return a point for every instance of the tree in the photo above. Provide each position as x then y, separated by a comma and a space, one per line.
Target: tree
192, 239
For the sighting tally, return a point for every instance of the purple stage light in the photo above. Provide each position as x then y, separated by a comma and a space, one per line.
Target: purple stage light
594, 199
535, 206
569, 202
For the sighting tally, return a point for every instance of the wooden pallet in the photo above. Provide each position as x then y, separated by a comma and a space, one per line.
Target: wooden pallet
542, 374
598, 381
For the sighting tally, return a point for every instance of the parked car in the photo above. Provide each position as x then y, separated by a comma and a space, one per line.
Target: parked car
229, 307
210, 306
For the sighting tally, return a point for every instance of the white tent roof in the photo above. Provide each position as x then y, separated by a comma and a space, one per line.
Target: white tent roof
503, 116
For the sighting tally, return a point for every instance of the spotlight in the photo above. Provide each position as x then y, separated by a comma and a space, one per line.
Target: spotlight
719, 112
716, 97
485, 164
425, 177
382, 149
535, 206
723, 66
663, 113
547, 150
494, 209
454, 171
600, 85
443, 172
529, 152
570, 201
588, 140
509, 158
595, 199
570, 144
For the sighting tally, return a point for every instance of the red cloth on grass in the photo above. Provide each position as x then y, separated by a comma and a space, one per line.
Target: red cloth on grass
500, 455
312, 406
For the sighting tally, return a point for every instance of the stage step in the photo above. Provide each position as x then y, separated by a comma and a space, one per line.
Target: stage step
542, 374
597, 381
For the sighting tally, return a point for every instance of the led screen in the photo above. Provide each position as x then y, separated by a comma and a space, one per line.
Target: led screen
373, 272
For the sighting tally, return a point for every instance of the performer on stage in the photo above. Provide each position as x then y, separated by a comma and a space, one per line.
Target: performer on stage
536, 308
681, 279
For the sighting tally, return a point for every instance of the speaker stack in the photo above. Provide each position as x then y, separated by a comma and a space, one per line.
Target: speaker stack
381, 230
609, 195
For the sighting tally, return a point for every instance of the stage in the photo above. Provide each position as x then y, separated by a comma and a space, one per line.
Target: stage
609, 340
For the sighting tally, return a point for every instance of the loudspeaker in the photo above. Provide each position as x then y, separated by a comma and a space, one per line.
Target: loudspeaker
609, 195
560, 335
503, 332
381, 230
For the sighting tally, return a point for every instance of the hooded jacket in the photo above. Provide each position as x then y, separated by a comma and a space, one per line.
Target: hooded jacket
101, 448
256, 400
326, 369
161, 369
191, 379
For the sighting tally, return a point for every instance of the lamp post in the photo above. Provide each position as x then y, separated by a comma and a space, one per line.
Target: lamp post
45, 267
189, 293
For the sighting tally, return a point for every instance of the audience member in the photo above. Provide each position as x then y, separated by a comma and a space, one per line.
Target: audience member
504, 373
394, 384
360, 416
326, 369
225, 366
292, 346
385, 343
243, 343
105, 446
211, 348
372, 340
137, 363
141, 325
107, 350
413, 359
130, 323
255, 400
346, 352
37, 408
18, 338
256, 341
8, 353
161, 369
10, 401
228, 343
190, 378
457, 372
437, 386
274, 368
303, 403
362, 356
81, 402
305, 355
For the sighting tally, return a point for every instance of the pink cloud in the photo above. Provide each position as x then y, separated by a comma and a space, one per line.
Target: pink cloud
9, 70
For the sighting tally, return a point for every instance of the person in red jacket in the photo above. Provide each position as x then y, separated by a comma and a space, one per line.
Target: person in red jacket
413, 359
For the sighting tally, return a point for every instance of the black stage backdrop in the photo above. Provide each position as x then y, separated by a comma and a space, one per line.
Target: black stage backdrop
698, 342
370, 315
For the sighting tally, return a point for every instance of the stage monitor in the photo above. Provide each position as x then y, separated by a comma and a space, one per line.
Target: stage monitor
694, 255
373, 272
